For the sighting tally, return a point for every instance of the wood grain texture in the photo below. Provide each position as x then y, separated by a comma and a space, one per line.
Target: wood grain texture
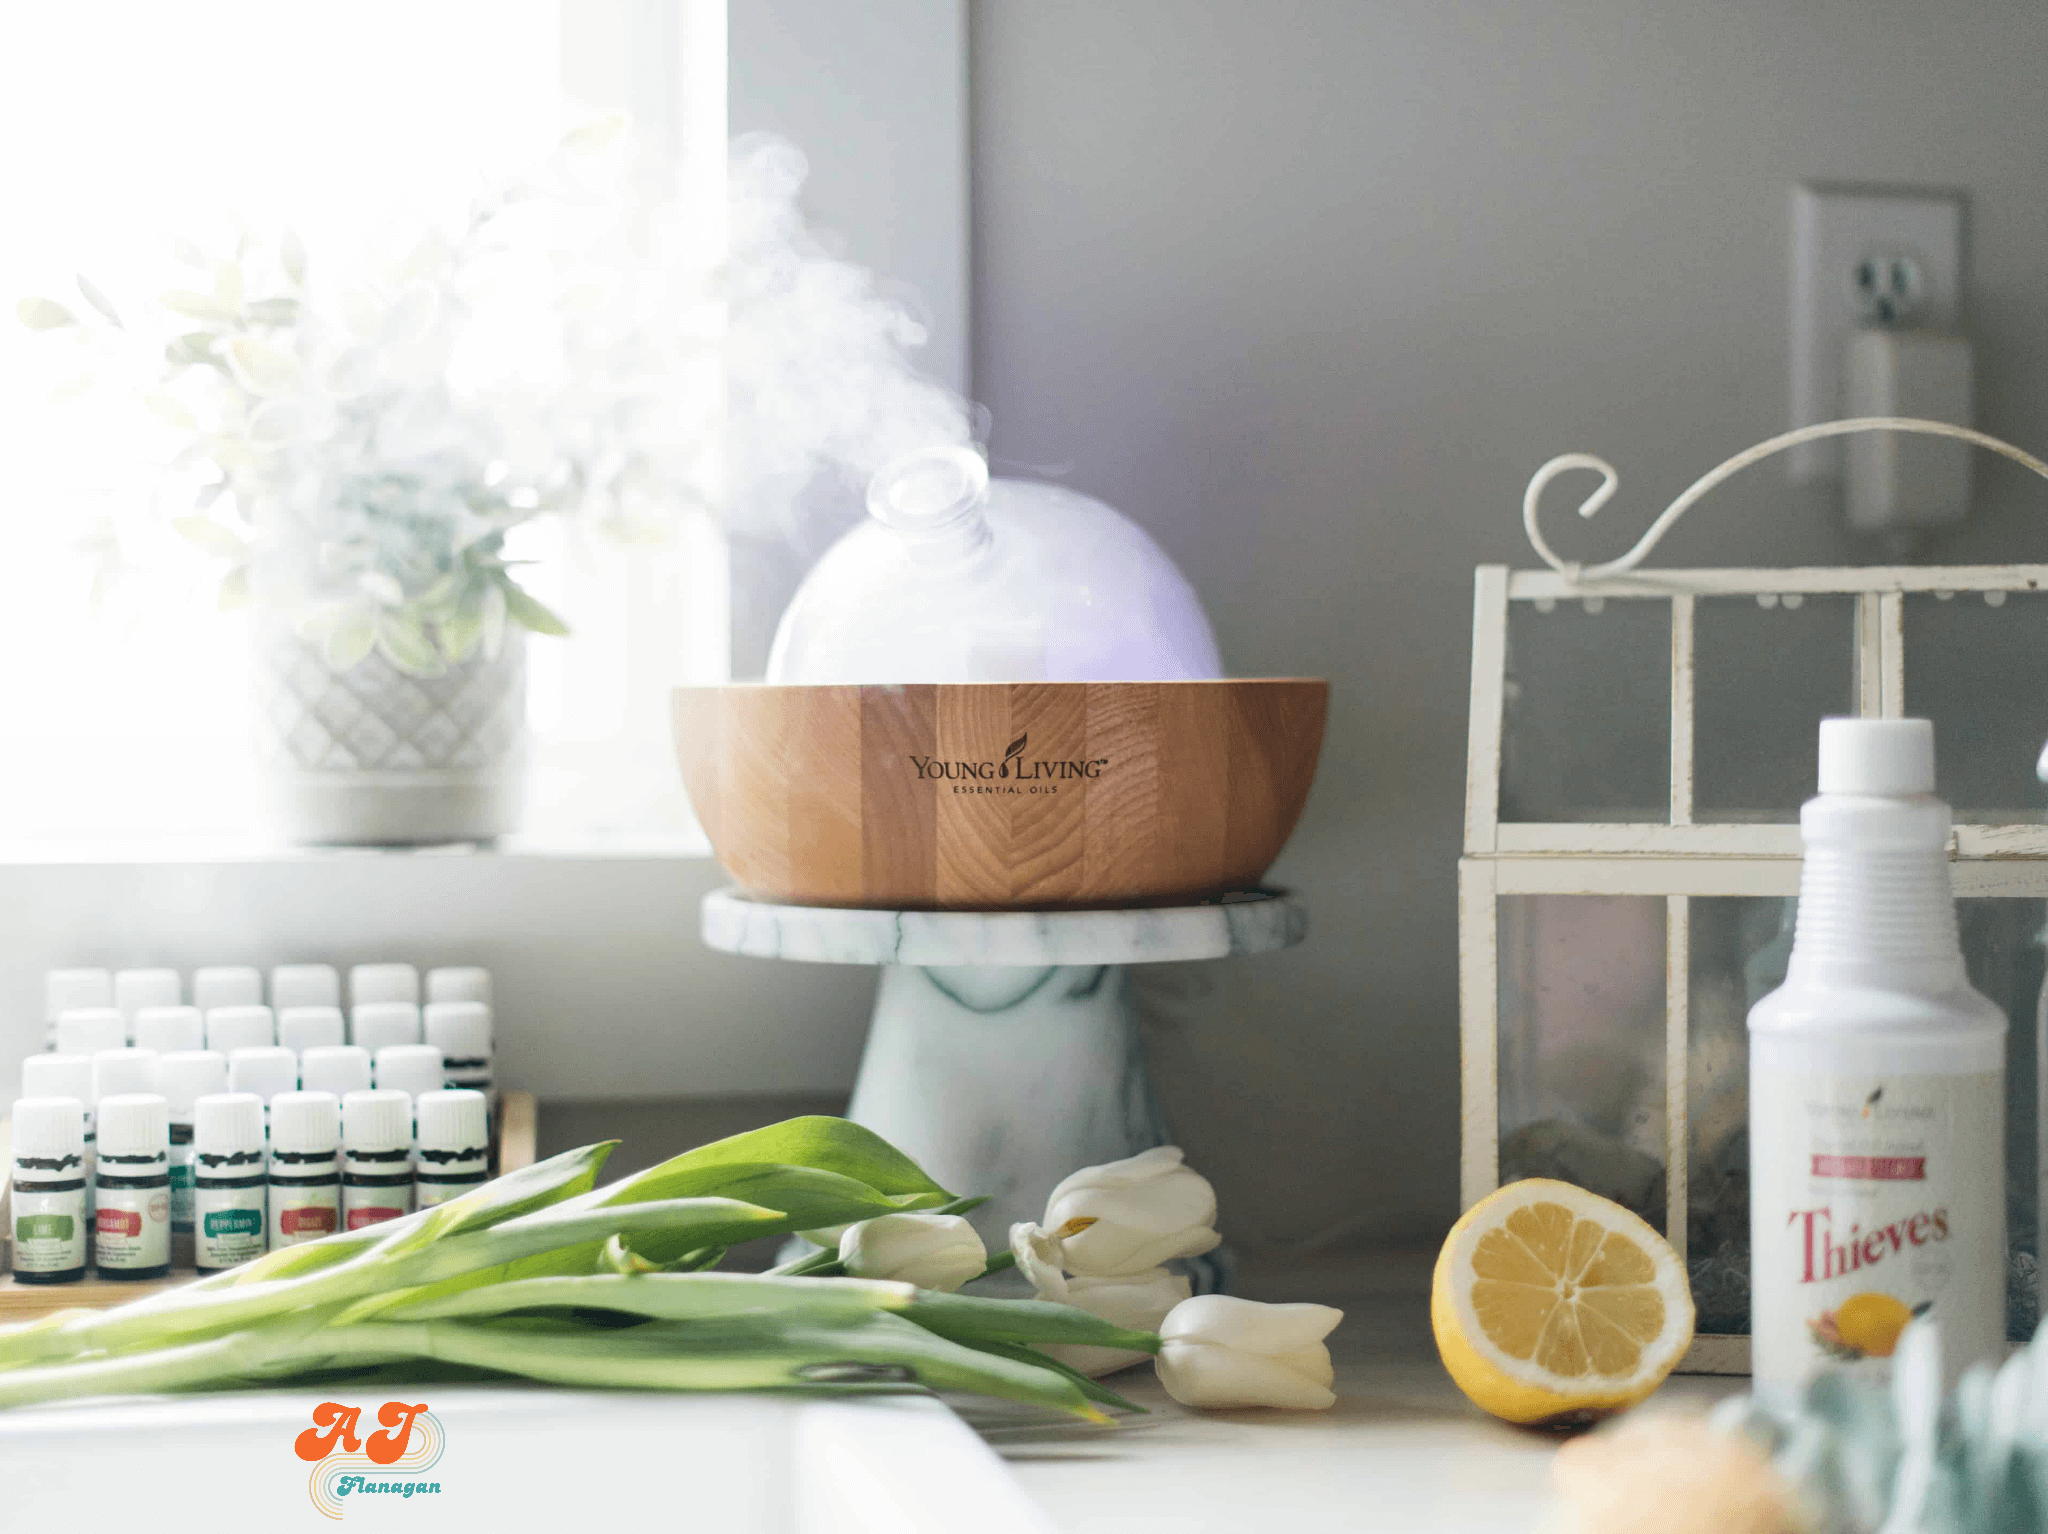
1000, 796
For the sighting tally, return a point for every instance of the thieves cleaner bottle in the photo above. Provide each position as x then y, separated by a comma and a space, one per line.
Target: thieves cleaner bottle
1876, 1088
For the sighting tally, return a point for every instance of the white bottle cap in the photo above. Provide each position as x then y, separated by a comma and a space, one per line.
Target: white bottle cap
459, 982
239, 1028
305, 1122
376, 1121
67, 989
305, 1028
190, 1074
409, 1068
88, 1030
135, 989
453, 1120
133, 1124
164, 1029
305, 985
377, 1024
226, 1124
57, 1076
383, 982
123, 1072
1886, 758
265, 1070
226, 985
336, 1068
462, 1029
47, 1130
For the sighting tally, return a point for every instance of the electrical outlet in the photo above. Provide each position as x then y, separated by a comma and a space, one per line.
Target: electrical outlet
1863, 256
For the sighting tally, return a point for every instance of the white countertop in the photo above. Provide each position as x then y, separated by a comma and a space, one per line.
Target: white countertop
1401, 1450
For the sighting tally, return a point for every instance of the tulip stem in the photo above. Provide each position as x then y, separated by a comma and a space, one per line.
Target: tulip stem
999, 1262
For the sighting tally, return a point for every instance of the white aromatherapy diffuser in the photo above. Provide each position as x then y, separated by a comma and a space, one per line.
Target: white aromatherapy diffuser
955, 577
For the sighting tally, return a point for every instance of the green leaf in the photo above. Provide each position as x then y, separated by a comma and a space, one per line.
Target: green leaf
234, 589
211, 536
1093, 1389
352, 638
526, 1191
817, 1141
273, 311
672, 1297
99, 300
975, 1319
492, 617
380, 587
529, 613
193, 349
44, 314
405, 644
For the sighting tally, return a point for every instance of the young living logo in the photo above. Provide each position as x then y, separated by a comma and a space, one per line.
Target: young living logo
1014, 774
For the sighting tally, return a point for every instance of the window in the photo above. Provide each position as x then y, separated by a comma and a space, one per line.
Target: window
133, 127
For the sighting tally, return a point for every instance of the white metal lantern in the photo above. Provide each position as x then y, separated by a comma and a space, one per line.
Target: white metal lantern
1632, 854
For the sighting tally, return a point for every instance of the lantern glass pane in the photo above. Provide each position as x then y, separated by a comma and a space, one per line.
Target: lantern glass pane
1586, 718
1582, 1044
1738, 951
1976, 667
1763, 679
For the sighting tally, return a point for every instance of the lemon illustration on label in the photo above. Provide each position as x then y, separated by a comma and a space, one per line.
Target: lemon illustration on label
1865, 1325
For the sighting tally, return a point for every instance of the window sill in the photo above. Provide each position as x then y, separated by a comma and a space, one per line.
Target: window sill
155, 851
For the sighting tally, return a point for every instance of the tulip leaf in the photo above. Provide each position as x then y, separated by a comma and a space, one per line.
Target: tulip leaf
1093, 1389
670, 1296
825, 1144
974, 1319
530, 613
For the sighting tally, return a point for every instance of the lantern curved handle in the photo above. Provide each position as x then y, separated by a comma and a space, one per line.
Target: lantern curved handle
1609, 479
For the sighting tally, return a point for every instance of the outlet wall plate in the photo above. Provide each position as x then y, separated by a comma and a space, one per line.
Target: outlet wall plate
1841, 235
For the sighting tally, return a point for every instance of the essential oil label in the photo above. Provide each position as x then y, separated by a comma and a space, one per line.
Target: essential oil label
49, 1231
1875, 1199
132, 1228
371, 1214
228, 1226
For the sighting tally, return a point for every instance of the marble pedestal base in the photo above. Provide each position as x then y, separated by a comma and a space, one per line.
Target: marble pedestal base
1004, 1051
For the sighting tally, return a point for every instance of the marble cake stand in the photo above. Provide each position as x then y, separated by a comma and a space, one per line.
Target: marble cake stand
1005, 1051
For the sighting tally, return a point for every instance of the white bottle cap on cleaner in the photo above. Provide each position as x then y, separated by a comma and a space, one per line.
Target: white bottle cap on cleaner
123, 1072
227, 1124
305, 1122
454, 1120
1887, 758
88, 1030
383, 982
409, 1068
337, 1068
265, 1070
135, 989
378, 1024
57, 1076
376, 1121
133, 1124
46, 1130
190, 1074
305, 985
459, 982
304, 1028
65, 990
165, 1029
229, 1028
226, 985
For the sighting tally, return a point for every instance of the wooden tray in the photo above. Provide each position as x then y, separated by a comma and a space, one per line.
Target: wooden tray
517, 1128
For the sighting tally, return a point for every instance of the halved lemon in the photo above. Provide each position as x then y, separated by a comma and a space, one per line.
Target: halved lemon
1554, 1305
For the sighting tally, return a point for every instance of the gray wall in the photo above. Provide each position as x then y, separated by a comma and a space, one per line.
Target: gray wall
1311, 288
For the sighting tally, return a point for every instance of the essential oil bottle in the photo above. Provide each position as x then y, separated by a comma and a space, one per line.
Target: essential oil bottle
266, 1070
374, 983
66, 1076
132, 1214
305, 1169
1877, 1088
231, 1028
49, 1190
226, 985
169, 1029
454, 1144
376, 1157
410, 1068
462, 1030
337, 1068
66, 990
378, 1025
305, 985
88, 1030
459, 982
182, 1079
228, 1187
314, 1027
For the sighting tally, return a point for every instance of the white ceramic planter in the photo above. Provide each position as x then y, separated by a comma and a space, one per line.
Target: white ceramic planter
373, 757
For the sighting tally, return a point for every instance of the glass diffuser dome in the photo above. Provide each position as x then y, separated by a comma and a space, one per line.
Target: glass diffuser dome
955, 577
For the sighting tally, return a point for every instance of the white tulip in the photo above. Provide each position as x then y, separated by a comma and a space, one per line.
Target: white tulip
1138, 1303
1221, 1351
1141, 1212
1040, 1259
932, 1251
